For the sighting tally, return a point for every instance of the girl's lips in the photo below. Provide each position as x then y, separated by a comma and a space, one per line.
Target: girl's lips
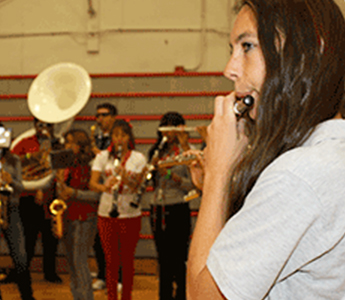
241, 95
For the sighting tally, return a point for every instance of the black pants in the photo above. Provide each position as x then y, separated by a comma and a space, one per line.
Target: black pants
34, 221
15, 238
172, 241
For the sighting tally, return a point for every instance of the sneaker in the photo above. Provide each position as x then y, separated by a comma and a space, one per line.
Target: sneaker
119, 287
99, 284
94, 274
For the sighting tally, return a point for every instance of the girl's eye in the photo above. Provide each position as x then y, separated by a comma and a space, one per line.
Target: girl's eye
247, 46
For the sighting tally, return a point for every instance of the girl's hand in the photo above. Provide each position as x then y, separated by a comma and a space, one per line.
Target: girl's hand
65, 192
225, 138
109, 183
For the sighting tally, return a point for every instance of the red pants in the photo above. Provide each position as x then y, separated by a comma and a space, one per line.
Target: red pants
119, 238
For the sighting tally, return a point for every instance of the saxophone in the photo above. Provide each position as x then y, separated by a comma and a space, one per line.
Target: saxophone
57, 208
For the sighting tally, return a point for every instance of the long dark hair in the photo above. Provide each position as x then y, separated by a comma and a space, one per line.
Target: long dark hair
82, 139
127, 129
169, 119
303, 46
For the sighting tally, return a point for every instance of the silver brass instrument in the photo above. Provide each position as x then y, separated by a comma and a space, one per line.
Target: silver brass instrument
56, 96
177, 160
114, 211
148, 173
181, 160
243, 105
175, 128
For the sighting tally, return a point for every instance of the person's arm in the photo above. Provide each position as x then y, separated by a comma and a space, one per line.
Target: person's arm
223, 140
14, 178
95, 184
67, 193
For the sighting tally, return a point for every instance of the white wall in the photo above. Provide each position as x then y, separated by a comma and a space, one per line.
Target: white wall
130, 35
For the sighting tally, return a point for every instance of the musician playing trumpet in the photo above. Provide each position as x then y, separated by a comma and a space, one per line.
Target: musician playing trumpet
34, 203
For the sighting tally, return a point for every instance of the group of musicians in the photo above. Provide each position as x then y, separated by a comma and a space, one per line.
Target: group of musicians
102, 188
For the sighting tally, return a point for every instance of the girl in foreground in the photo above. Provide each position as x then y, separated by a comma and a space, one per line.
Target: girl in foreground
271, 223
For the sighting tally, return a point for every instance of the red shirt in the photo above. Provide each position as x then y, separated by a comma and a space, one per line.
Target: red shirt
31, 145
78, 178
27, 145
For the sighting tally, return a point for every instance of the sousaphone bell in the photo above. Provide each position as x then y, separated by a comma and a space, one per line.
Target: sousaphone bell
56, 96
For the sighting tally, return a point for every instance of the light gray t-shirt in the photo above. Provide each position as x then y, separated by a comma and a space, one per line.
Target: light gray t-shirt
287, 242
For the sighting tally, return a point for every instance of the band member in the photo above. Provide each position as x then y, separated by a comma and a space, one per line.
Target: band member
271, 222
170, 214
34, 204
105, 118
81, 215
119, 222
11, 179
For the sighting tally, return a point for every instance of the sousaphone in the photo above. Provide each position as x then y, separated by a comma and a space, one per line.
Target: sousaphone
56, 96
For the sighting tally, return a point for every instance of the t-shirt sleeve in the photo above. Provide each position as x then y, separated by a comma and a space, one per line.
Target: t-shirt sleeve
100, 161
251, 251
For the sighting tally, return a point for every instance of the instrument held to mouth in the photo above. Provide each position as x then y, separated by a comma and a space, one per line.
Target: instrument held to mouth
175, 128
115, 189
177, 160
243, 105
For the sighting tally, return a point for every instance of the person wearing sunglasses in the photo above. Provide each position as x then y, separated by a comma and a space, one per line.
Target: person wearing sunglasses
105, 118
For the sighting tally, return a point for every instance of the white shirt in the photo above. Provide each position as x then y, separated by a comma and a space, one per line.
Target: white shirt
288, 240
105, 164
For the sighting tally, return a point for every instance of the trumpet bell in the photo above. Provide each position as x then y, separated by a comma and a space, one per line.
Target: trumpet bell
59, 92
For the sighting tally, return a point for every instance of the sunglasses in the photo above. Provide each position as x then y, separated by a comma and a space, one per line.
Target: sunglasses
102, 115
43, 125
